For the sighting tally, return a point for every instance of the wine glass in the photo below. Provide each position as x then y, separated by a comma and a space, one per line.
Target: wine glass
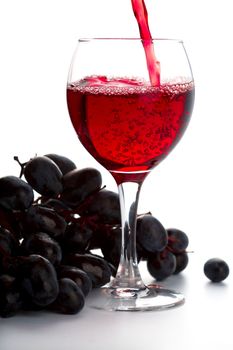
129, 126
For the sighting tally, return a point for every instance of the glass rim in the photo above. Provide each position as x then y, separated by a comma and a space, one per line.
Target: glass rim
82, 40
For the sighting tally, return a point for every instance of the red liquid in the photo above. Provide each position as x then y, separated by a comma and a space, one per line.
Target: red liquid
153, 66
129, 127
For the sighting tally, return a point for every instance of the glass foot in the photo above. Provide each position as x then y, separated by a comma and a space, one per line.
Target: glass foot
153, 297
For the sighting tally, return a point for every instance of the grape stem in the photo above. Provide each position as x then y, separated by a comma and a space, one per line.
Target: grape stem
22, 166
128, 276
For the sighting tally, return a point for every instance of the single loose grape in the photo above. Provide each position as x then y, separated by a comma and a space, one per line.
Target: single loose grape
216, 269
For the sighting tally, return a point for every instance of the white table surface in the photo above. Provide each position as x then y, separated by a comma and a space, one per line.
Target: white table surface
203, 322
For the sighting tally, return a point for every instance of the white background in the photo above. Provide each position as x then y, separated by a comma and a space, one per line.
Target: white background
192, 189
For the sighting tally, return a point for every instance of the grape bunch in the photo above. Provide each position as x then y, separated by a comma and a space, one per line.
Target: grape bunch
48, 216
52, 219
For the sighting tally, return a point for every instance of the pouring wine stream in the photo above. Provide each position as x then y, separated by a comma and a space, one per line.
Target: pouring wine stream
153, 65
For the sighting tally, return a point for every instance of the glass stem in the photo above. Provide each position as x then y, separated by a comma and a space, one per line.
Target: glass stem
128, 276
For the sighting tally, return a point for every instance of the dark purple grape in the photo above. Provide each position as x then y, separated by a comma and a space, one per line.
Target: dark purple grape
100, 232
44, 176
177, 240
142, 254
105, 206
70, 299
182, 260
216, 269
8, 220
38, 279
151, 235
79, 184
77, 275
10, 298
77, 236
161, 265
96, 239
111, 245
40, 219
113, 269
42, 244
9, 244
55, 204
15, 194
96, 268
63, 163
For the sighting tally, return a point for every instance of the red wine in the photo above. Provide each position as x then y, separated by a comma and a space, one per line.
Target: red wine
153, 66
128, 125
